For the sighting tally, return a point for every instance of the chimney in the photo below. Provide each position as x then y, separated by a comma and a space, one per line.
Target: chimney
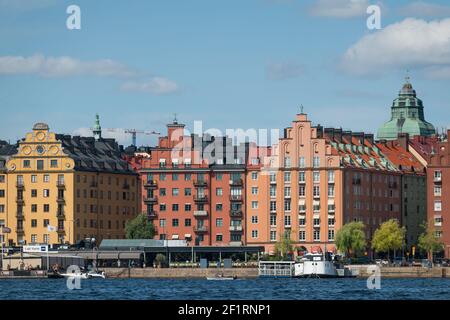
347, 135
370, 138
329, 133
402, 140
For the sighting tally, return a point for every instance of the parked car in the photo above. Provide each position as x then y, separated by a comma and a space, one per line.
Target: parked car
427, 263
382, 262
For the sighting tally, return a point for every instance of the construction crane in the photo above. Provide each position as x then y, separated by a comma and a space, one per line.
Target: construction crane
134, 133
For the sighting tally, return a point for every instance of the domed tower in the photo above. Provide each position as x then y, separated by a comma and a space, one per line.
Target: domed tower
407, 116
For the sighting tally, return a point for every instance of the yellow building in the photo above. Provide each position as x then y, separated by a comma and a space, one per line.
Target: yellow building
62, 189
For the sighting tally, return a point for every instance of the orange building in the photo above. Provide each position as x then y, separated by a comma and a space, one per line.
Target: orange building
314, 181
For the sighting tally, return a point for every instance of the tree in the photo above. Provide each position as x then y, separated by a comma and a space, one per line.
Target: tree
389, 236
351, 238
160, 260
428, 241
139, 228
284, 247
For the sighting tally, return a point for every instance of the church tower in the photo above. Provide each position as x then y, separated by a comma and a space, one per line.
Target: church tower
407, 116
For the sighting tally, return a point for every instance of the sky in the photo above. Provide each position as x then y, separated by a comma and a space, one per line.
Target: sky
231, 64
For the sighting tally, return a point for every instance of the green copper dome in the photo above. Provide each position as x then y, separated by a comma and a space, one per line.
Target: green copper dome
407, 116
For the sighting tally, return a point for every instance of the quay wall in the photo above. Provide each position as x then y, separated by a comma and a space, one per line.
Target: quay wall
386, 272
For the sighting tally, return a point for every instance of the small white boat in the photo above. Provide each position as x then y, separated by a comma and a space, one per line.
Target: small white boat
319, 265
96, 274
75, 275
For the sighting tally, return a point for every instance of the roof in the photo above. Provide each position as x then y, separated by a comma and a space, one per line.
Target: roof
401, 158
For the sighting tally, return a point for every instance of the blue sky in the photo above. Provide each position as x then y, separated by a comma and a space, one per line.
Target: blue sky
232, 64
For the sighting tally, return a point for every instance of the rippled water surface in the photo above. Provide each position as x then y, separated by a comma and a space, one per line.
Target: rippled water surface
174, 289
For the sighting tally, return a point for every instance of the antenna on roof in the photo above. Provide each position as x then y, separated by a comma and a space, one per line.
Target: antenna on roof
175, 118
407, 78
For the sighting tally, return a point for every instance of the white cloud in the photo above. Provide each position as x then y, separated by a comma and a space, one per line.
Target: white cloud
409, 43
118, 134
284, 70
424, 9
155, 85
339, 8
61, 66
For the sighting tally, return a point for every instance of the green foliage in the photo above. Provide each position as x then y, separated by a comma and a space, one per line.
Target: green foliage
351, 238
160, 259
284, 247
389, 236
139, 228
428, 241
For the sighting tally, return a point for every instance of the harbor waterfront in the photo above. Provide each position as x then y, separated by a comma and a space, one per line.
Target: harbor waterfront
241, 289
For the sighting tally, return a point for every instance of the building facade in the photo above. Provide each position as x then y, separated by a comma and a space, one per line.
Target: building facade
193, 188
316, 180
61, 189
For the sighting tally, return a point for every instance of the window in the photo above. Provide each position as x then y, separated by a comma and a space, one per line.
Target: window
162, 207
273, 236
187, 177
33, 223
175, 222
254, 190
45, 238
301, 162
175, 177
254, 219
175, 191
316, 176
219, 176
2, 208
34, 238
287, 162
287, 221
331, 176
162, 176
302, 221
2, 193
301, 176
302, 235
219, 207
302, 191
287, 177
187, 191
316, 222
287, 205
219, 222
40, 164
26, 163
437, 206
187, 207
437, 176
254, 204
331, 235
331, 221
175, 207
162, 222
254, 175
254, 234
316, 162
54, 163
46, 208
273, 206
34, 208
46, 193
46, 178
287, 192
273, 177
331, 190
316, 235
162, 192
219, 237
316, 191
187, 222
46, 222
219, 192
273, 220
2, 178
273, 191
437, 191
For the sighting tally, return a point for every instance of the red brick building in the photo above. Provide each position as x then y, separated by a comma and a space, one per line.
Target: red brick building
193, 188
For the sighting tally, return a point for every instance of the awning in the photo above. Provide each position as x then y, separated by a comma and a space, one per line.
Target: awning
108, 255
330, 201
302, 215
130, 255
302, 202
316, 202
187, 235
175, 237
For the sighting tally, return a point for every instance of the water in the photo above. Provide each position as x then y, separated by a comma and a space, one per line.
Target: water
241, 289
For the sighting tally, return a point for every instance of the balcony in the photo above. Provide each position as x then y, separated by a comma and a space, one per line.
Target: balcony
61, 200
236, 198
20, 200
392, 185
61, 230
61, 215
236, 228
273, 181
20, 230
152, 215
236, 213
287, 226
19, 215
438, 179
200, 183
200, 229
302, 182
236, 183
61, 184
152, 184
20, 185
200, 213
201, 199
151, 199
